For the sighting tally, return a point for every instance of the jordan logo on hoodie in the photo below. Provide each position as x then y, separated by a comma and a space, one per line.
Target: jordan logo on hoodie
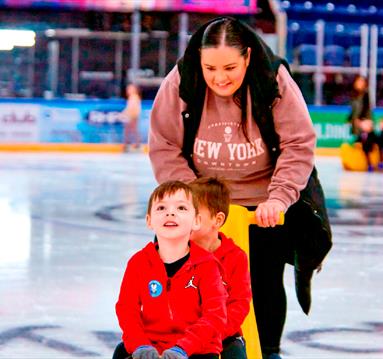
191, 284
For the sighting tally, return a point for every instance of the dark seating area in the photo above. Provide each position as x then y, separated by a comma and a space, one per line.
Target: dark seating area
342, 21
349, 11
346, 32
342, 43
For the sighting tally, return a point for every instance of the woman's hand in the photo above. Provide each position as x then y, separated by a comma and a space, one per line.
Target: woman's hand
267, 213
366, 125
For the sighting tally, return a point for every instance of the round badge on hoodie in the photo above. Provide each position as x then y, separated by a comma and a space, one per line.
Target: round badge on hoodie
155, 288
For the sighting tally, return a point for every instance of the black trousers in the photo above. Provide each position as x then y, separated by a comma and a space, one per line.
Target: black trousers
234, 348
121, 353
268, 255
368, 141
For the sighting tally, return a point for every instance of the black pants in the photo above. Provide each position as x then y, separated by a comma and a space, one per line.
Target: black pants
234, 348
368, 141
121, 353
268, 248
380, 140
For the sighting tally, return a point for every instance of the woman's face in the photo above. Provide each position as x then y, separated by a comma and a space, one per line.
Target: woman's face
360, 84
224, 69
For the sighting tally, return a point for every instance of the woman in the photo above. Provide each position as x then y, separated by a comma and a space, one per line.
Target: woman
360, 103
362, 124
230, 108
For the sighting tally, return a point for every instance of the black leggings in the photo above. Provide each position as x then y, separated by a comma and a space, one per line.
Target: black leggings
268, 248
121, 353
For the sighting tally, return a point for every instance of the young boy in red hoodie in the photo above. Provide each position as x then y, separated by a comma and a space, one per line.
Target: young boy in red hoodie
213, 198
172, 302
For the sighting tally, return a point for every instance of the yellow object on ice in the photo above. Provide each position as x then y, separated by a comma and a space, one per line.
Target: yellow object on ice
354, 159
237, 228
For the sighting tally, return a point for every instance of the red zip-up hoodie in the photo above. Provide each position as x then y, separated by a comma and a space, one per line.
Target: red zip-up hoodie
237, 280
188, 310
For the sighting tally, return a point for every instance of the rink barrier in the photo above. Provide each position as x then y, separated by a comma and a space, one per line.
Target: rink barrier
103, 148
95, 125
327, 151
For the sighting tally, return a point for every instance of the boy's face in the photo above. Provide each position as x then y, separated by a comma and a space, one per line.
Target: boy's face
173, 217
209, 225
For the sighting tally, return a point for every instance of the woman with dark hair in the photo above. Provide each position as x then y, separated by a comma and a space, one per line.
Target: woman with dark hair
360, 103
362, 124
231, 108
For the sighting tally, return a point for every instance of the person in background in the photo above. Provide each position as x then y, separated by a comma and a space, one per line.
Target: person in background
130, 117
380, 144
213, 199
172, 302
230, 108
362, 125
360, 104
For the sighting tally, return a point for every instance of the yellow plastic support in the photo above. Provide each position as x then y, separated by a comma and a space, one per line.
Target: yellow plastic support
354, 159
237, 228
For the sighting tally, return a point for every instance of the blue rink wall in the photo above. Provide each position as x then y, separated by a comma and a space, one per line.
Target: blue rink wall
66, 121
96, 121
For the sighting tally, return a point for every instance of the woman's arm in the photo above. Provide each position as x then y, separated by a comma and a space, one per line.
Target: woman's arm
166, 133
297, 143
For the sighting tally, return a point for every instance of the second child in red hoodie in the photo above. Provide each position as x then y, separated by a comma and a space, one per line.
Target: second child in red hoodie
172, 302
213, 197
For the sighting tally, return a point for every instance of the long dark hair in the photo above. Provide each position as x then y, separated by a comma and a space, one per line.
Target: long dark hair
260, 77
225, 31
365, 111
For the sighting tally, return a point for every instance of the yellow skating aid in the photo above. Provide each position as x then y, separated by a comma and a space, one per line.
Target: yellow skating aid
354, 159
237, 228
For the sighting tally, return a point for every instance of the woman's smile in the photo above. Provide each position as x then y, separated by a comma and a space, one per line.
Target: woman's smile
224, 69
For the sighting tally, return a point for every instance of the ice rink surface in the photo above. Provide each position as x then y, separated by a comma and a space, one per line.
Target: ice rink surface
69, 222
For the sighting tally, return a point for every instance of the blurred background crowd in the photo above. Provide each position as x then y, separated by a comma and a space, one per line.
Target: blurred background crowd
65, 64
91, 48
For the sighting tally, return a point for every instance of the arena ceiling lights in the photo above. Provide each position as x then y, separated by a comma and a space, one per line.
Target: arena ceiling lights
20, 38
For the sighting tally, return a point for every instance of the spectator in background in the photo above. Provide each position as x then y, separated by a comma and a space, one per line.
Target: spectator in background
147, 23
360, 104
380, 144
130, 117
362, 125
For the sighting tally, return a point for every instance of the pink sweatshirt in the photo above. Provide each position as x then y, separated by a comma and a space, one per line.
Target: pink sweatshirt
221, 148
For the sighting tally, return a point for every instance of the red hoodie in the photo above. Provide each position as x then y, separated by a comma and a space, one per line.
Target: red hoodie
188, 310
237, 279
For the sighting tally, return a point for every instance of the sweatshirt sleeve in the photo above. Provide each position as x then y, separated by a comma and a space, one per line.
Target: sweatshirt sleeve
209, 327
297, 142
166, 133
128, 309
238, 303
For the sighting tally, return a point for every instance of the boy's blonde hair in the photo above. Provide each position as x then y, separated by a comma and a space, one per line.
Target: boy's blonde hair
169, 188
213, 193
